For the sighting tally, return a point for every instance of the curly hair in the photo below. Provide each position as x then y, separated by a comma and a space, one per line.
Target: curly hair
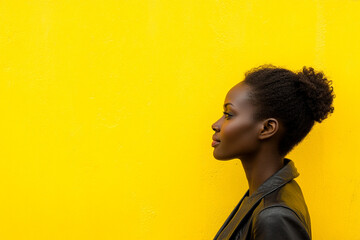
296, 100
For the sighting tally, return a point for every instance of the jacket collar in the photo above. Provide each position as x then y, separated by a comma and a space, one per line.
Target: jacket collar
280, 178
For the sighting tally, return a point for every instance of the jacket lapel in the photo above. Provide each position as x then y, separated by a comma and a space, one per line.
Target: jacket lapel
280, 178
231, 215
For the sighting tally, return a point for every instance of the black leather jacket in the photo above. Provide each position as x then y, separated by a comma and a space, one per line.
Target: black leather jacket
276, 211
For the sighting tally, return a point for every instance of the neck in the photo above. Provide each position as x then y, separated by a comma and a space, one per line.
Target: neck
259, 168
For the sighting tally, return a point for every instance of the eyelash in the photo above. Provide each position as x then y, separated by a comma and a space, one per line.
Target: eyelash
227, 114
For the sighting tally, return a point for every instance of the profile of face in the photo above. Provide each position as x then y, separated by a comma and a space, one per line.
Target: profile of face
237, 134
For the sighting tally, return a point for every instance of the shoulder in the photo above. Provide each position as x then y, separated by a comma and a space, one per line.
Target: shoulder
275, 214
278, 222
291, 199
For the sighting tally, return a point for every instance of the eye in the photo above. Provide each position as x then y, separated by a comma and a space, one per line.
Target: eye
227, 114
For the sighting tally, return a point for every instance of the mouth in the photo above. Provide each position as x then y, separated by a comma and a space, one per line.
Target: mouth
215, 143
215, 138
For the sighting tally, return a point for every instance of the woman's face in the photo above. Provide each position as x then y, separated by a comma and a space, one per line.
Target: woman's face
236, 130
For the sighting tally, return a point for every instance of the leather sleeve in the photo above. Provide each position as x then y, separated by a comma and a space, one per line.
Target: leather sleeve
278, 223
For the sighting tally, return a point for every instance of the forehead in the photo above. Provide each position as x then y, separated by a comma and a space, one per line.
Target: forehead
239, 96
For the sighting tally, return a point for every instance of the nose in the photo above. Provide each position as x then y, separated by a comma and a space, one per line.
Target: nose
215, 127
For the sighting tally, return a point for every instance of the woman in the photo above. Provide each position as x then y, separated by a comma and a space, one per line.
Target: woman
265, 117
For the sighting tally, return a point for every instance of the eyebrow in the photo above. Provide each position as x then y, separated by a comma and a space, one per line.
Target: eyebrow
227, 104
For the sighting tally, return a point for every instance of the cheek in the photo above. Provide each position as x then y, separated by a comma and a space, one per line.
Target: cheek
239, 132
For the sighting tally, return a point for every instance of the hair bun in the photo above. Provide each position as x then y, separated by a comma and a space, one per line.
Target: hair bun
318, 92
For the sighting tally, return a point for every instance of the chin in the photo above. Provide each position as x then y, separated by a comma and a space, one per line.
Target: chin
221, 157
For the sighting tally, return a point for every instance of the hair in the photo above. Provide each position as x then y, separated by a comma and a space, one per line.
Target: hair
295, 99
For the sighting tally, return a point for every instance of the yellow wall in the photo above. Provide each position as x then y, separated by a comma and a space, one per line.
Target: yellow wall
107, 109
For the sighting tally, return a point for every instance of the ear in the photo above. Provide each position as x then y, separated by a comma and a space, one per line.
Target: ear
269, 127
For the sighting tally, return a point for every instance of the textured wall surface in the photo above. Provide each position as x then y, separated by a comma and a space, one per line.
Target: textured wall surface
107, 106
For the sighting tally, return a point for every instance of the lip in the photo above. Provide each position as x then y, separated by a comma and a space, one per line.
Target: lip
215, 143
215, 138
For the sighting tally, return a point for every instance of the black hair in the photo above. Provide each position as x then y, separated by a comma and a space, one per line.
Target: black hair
296, 100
